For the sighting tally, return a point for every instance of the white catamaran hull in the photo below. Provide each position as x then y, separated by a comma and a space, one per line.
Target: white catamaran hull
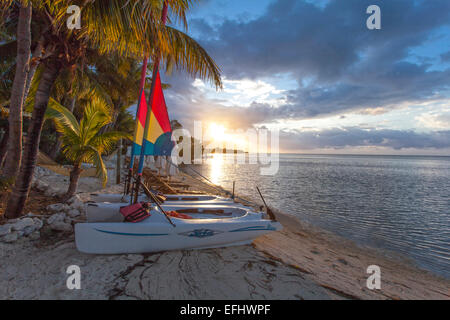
114, 197
109, 212
156, 234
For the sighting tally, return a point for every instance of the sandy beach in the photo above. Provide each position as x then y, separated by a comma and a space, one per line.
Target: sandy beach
335, 113
299, 262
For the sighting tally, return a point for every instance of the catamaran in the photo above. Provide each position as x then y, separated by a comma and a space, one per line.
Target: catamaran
221, 227
175, 198
183, 221
169, 226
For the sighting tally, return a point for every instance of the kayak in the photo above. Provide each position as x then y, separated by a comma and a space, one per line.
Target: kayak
207, 227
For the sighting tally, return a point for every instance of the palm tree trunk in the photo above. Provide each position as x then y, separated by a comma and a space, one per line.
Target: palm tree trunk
15, 109
4, 145
74, 177
37, 53
21, 188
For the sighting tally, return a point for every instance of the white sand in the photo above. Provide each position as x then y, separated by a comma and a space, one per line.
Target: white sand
299, 262
230, 273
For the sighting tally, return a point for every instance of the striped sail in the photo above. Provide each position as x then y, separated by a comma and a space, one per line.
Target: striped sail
140, 125
157, 139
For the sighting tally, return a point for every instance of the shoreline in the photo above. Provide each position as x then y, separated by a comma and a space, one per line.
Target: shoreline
299, 262
342, 270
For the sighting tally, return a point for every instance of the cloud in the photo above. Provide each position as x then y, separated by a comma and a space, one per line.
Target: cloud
435, 121
346, 66
338, 64
299, 37
338, 138
445, 57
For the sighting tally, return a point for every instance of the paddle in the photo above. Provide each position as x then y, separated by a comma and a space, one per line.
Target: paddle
232, 196
269, 212
126, 189
156, 200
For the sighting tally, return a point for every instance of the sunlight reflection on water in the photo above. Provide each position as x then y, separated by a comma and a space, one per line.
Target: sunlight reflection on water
396, 203
216, 169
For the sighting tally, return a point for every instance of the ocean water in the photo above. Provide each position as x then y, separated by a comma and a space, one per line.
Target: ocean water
398, 203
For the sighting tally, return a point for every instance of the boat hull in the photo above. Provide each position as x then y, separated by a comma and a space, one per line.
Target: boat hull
109, 212
116, 198
156, 236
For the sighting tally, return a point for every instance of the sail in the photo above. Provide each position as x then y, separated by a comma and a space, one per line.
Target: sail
157, 138
140, 125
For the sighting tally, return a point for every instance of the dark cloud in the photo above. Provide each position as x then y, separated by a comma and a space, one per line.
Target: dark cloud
298, 37
338, 63
402, 83
445, 57
338, 138
201, 26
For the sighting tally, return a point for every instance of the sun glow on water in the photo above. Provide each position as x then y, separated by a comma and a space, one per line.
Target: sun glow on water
216, 168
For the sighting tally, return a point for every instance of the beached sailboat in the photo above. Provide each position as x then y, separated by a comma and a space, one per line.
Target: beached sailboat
107, 211
120, 198
173, 225
232, 226
181, 222
206, 222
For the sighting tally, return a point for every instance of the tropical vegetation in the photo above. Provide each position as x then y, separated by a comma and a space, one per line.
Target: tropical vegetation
55, 65
84, 142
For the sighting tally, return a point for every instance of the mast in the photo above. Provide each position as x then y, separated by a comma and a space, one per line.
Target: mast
147, 120
134, 146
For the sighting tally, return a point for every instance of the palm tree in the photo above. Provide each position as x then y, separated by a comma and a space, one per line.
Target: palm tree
129, 27
14, 146
83, 141
111, 80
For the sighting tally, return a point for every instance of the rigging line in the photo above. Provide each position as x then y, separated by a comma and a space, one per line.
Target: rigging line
211, 184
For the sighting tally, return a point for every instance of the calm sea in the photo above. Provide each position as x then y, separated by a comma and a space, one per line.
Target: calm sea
399, 203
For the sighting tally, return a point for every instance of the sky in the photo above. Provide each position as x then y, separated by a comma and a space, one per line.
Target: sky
314, 71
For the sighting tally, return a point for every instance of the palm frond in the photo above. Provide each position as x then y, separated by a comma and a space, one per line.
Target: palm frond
86, 144
106, 142
133, 27
95, 157
187, 54
62, 116
94, 118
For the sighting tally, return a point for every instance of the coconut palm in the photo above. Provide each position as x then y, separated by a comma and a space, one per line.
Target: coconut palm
111, 80
14, 146
83, 142
129, 27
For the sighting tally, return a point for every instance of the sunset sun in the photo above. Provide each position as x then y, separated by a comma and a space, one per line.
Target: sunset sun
216, 132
